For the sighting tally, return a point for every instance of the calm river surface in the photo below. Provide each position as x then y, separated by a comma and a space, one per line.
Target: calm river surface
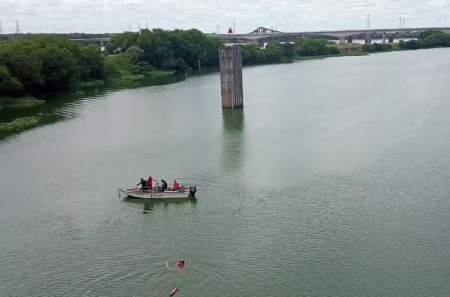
332, 181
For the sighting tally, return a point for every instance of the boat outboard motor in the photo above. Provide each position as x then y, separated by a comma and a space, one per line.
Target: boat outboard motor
192, 191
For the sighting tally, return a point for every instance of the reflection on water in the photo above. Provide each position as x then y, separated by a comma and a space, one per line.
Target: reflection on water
150, 205
233, 120
233, 138
59, 105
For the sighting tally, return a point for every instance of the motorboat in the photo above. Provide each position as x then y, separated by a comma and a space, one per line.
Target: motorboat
157, 194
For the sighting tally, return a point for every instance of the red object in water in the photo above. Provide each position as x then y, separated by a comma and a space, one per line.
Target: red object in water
230, 31
180, 264
173, 292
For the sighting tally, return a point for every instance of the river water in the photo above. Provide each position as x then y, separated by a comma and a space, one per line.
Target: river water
332, 181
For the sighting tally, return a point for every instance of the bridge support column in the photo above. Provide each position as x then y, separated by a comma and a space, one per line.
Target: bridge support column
349, 39
391, 39
384, 37
231, 77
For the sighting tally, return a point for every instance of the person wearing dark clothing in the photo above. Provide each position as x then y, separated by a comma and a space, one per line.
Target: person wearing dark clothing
163, 185
144, 184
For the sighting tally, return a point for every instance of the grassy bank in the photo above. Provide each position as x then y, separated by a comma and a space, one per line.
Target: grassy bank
303, 58
120, 68
6, 103
20, 124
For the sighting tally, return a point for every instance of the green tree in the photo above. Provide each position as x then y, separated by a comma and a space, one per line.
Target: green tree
44, 63
121, 42
311, 47
288, 51
427, 33
134, 53
252, 55
274, 52
8, 83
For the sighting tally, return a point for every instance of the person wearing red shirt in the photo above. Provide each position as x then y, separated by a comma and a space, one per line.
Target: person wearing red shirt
150, 183
175, 185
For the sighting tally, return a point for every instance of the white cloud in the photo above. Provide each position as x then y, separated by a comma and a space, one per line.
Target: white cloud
285, 15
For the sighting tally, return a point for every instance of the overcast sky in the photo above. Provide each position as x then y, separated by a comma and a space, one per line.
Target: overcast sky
99, 16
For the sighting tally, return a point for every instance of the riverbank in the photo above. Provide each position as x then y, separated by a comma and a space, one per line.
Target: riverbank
19, 124
6, 103
306, 58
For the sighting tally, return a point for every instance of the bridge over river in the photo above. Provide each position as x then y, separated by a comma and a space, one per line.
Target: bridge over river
262, 35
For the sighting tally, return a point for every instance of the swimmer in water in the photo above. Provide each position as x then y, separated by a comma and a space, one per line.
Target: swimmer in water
180, 263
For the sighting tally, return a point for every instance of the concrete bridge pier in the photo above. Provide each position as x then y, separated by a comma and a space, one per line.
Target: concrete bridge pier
230, 61
349, 39
391, 39
384, 37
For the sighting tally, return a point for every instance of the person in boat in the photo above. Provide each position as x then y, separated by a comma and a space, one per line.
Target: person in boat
150, 183
143, 184
176, 186
163, 185
180, 263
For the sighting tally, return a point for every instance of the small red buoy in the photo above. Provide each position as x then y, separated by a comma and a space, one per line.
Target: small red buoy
173, 292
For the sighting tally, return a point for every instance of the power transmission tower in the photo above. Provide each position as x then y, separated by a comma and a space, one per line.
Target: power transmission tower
368, 28
17, 27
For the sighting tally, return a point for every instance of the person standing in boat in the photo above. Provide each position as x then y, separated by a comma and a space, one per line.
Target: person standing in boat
175, 186
150, 183
163, 185
143, 183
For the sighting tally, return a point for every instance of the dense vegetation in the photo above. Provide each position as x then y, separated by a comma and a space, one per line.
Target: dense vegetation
275, 52
428, 39
46, 63
178, 50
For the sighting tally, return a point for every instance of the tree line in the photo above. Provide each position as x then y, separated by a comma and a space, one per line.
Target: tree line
428, 39
276, 52
46, 63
